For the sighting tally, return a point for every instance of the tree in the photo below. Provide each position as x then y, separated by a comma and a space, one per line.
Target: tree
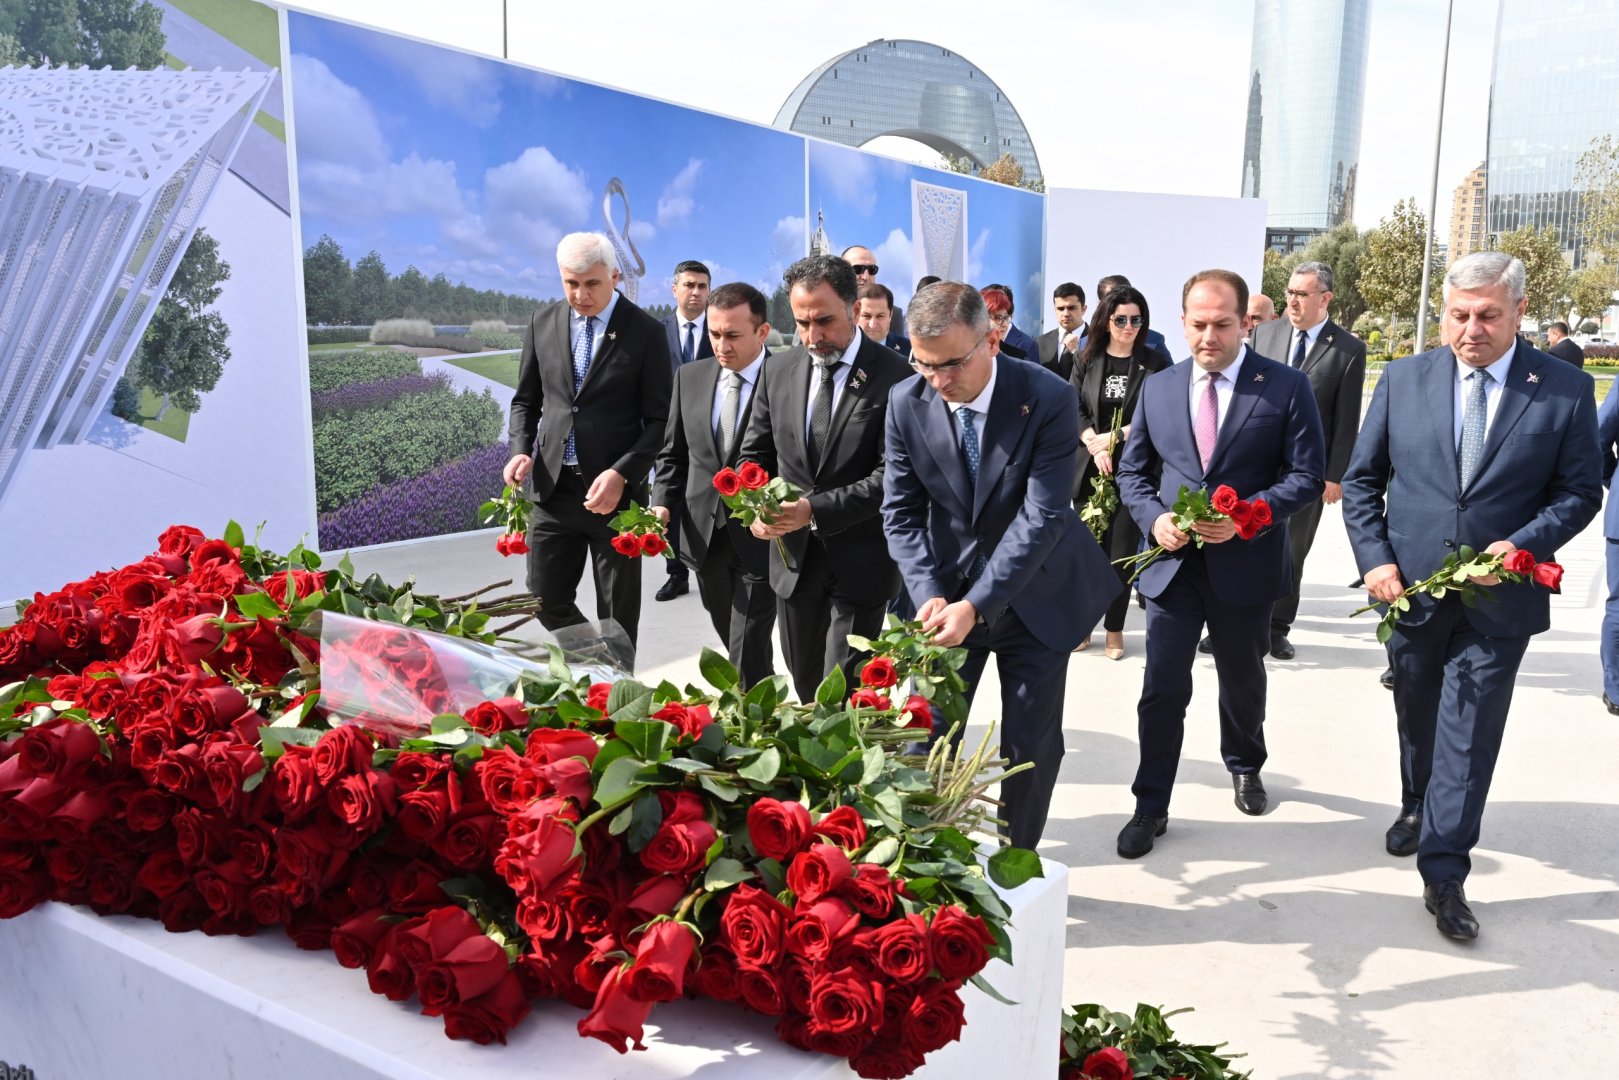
1597, 175
409, 293
326, 283
1590, 291
781, 312
10, 50
1273, 280
1545, 272
1341, 248
92, 33
183, 352
440, 293
1390, 277
368, 290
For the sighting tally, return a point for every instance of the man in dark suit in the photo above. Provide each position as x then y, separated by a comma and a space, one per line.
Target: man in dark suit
1060, 347
981, 458
1560, 345
688, 342
707, 418
874, 311
1490, 444
818, 423
1154, 338
1014, 342
1227, 416
1608, 442
587, 418
1335, 362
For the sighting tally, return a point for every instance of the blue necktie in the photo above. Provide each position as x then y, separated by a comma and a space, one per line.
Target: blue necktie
969, 449
582, 346
1472, 447
1298, 353
689, 350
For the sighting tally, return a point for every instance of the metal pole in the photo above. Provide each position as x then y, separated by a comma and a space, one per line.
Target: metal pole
505, 27
1421, 343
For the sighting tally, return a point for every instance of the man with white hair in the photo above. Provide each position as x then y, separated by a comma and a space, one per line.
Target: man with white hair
1484, 443
587, 418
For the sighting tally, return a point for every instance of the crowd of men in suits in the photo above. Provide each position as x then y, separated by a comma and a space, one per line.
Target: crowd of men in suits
938, 473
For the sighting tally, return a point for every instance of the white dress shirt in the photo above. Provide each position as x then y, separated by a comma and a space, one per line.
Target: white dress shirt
744, 393
1497, 372
1225, 382
979, 404
1310, 336
840, 377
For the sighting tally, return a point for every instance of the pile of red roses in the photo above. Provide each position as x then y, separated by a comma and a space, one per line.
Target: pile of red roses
164, 752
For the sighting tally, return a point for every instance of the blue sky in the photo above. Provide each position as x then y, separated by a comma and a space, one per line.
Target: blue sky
475, 168
867, 200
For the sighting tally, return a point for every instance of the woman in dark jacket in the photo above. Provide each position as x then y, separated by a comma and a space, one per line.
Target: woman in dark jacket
1108, 376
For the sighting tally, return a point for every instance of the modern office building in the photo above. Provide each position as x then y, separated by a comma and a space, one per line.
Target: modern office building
1306, 98
1467, 231
103, 177
1555, 88
915, 90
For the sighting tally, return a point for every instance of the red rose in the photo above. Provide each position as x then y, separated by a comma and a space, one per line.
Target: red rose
500, 714
488, 1017
921, 712
653, 544
60, 748
539, 863
363, 800
960, 943
727, 482
658, 895
843, 1003
516, 544
716, 975
192, 639
754, 922
470, 838
678, 806
885, 1059
1224, 499
689, 720
388, 973
752, 475
818, 927
778, 830
661, 959
180, 540
902, 951
548, 745
867, 698
501, 546
616, 1018
598, 694
294, 782
818, 872
627, 545
1242, 516
356, 941
879, 673
1518, 561
341, 751
761, 991
1261, 511
1108, 1063
935, 1018
871, 890
472, 968
1548, 574
678, 847
843, 827
423, 814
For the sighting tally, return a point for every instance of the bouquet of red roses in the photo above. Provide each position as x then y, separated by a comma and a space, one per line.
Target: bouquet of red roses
511, 510
640, 533
1456, 574
1192, 507
752, 494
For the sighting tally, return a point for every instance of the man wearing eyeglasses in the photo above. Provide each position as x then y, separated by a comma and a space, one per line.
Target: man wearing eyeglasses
1014, 342
977, 506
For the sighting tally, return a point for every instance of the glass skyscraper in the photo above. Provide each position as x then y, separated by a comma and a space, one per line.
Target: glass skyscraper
1306, 97
1555, 88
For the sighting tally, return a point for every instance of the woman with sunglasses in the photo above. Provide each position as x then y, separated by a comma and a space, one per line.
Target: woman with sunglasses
1108, 375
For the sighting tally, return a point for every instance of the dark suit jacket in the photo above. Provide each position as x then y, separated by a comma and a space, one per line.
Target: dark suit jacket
1568, 350
1270, 447
1156, 341
619, 412
1020, 513
1062, 365
1538, 483
899, 343
1608, 441
845, 492
671, 324
1087, 381
1020, 345
1336, 365
691, 456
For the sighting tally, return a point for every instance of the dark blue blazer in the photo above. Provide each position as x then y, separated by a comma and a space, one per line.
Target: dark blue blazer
1538, 484
1608, 439
1155, 340
1022, 343
1270, 447
898, 342
1043, 564
671, 325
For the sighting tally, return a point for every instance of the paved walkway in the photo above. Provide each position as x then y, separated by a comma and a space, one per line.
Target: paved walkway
1295, 937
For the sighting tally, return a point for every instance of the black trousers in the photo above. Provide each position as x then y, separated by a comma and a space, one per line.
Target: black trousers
677, 520
1121, 540
818, 618
741, 604
1301, 529
560, 534
1240, 638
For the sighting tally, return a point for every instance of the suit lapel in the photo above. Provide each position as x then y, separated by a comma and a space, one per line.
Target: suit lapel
1439, 387
703, 411
1008, 415
1323, 345
1248, 388
1523, 381
1181, 391
938, 429
795, 373
609, 346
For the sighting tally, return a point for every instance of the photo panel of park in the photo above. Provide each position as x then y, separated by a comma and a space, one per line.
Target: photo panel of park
149, 321
433, 188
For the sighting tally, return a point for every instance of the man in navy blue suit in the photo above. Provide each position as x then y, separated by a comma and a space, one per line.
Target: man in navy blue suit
1227, 416
978, 510
1608, 436
1490, 444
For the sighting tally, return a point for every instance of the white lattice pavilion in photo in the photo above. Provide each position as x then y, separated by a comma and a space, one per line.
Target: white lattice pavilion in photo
104, 175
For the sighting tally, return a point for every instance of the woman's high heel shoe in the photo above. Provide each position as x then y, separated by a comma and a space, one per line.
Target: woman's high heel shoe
1115, 645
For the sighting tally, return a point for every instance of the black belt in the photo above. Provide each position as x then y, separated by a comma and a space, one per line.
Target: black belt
575, 469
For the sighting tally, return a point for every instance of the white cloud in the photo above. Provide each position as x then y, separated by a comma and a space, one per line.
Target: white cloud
975, 256
336, 123
642, 231
787, 239
466, 85
850, 178
895, 269
676, 202
392, 189
531, 202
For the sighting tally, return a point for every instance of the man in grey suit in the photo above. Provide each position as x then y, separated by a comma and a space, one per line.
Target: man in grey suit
687, 327
1484, 443
1335, 362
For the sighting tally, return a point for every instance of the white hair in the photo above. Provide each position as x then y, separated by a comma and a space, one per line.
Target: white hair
1487, 270
580, 251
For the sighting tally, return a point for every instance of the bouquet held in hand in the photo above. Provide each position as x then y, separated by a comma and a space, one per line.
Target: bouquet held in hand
640, 532
1192, 507
1456, 575
752, 494
510, 510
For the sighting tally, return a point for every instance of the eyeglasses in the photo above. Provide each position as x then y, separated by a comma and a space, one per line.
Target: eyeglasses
1300, 294
949, 365
1001, 320
1121, 321
865, 268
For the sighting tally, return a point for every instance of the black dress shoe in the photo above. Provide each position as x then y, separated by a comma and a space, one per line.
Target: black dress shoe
1401, 839
1281, 648
1250, 793
1135, 839
1386, 680
1448, 905
675, 586
1612, 708
1205, 646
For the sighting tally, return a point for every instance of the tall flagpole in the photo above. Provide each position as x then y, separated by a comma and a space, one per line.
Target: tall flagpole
1421, 343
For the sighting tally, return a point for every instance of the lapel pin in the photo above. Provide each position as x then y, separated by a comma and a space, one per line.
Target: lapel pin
1533, 377
1259, 376
858, 379
612, 335
1025, 408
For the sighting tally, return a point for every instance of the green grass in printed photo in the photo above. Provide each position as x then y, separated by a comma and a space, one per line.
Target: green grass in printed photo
254, 27
500, 367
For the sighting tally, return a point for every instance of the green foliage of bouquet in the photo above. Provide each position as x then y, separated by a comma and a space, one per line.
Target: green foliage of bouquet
1102, 1045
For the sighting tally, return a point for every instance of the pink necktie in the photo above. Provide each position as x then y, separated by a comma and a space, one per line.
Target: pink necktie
1208, 426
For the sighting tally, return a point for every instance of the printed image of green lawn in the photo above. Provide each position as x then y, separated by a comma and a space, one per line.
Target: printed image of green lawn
499, 367
340, 346
254, 27
175, 423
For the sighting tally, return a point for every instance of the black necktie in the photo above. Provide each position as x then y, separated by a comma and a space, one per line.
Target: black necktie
821, 414
689, 349
1298, 353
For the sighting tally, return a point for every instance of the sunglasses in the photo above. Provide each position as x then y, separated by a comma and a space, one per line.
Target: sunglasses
948, 365
1121, 321
865, 268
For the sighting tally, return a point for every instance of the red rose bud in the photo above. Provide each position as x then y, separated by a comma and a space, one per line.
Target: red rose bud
752, 475
879, 673
902, 950
1108, 1063
488, 1017
597, 696
627, 545
516, 544
1548, 574
661, 959
616, 1017
818, 872
1224, 499
501, 714
1242, 516
1518, 561
935, 1018
871, 890
472, 968
502, 546
816, 928
921, 712
754, 923
960, 943
653, 544
778, 830
843, 827
1261, 510
867, 698
727, 482
678, 847
681, 806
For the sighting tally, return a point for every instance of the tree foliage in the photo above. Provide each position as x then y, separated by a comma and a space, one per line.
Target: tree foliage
1545, 272
338, 294
1597, 175
1003, 170
183, 352
1273, 279
1390, 269
327, 276
85, 33
1590, 291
